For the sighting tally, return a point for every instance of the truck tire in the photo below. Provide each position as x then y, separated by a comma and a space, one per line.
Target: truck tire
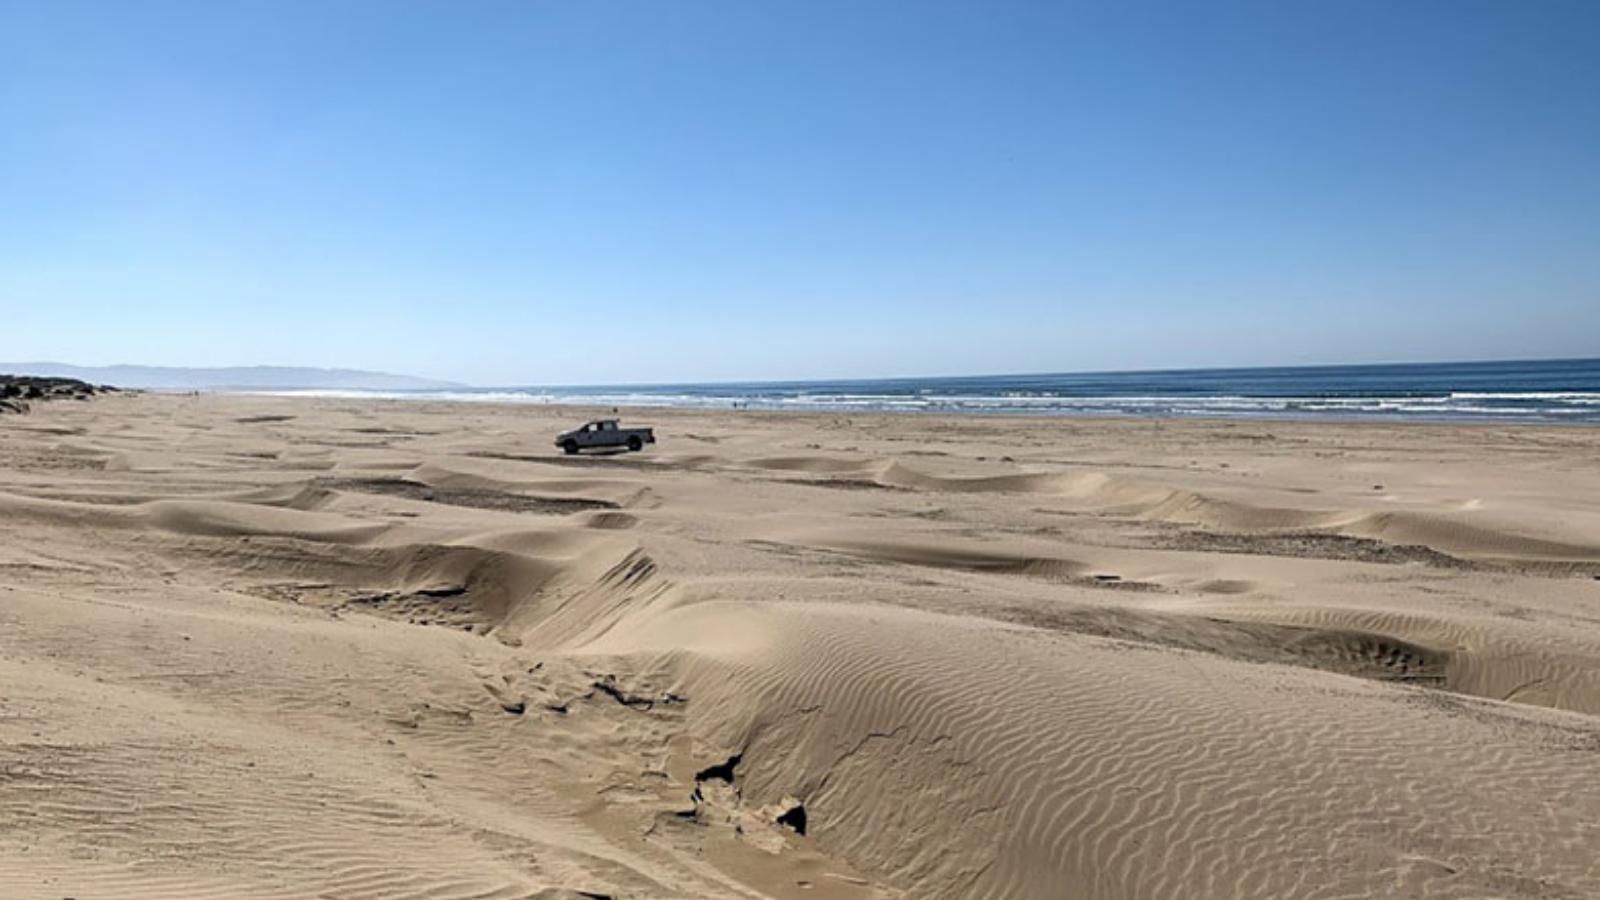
634, 444
570, 447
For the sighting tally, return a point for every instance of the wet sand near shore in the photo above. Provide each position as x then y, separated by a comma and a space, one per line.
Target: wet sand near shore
284, 647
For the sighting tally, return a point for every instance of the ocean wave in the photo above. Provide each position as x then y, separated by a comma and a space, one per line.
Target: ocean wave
1457, 406
1556, 391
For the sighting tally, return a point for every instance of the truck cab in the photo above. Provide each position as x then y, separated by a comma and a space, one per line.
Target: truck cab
604, 433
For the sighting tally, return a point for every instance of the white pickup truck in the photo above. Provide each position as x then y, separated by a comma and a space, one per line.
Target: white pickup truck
604, 433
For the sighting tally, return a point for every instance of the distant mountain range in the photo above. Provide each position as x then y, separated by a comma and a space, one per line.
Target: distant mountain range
231, 378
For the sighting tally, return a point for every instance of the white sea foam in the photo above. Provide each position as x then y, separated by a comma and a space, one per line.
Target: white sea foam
1565, 405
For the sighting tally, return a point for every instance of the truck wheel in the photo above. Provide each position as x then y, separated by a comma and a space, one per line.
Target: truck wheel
570, 448
634, 444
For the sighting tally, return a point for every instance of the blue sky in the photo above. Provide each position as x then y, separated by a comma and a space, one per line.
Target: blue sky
512, 192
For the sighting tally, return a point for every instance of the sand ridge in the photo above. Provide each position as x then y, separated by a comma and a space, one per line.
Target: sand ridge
267, 647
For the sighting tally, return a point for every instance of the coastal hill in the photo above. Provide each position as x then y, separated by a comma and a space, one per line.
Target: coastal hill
231, 378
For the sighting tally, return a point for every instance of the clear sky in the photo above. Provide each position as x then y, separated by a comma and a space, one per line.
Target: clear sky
544, 192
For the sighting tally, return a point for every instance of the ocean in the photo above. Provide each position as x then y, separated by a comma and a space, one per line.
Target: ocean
1533, 391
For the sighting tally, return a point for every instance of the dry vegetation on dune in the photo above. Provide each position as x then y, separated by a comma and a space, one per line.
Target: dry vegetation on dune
18, 392
258, 647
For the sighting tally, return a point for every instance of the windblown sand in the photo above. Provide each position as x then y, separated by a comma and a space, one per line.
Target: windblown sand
257, 647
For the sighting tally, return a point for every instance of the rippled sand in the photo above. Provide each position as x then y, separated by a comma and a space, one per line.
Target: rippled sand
256, 647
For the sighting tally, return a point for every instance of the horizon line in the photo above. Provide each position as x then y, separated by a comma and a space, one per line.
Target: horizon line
454, 383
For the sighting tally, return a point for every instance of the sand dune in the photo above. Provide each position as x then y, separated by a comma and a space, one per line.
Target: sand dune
1443, 530
262, 647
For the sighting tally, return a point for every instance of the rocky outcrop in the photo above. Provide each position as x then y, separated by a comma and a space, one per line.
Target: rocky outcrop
18, 391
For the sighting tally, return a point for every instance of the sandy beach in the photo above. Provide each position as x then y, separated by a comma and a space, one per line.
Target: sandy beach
257, 647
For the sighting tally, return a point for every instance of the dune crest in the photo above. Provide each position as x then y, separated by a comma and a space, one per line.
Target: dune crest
284, 648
